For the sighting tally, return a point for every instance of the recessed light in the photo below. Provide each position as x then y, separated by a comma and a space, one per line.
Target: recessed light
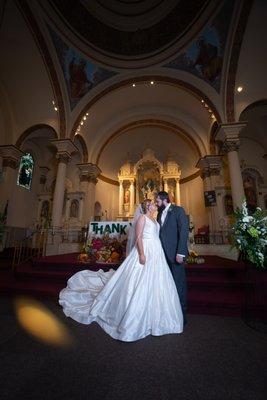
152, 82
87, 114
55, 108
81, 123
239, 89
202, 101
133, 85
84, 117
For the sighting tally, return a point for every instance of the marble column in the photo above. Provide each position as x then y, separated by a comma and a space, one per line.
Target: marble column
10, 155
81, 209
214, 163
165, 185
39, 208
88, 179
43, 176
132, 195
121, 198
229, 134
205, 175
58, 198
65, 148
67, 212
177, 192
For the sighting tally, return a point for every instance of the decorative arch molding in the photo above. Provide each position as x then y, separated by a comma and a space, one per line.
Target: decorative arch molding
234, 58
83, 145
33, 26
255, 173
180, 132
212, 135
251, 106
178, 83
32, 129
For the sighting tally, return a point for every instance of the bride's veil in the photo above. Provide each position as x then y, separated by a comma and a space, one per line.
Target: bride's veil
131, 234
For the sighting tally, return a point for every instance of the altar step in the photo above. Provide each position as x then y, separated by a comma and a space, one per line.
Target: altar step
214, 288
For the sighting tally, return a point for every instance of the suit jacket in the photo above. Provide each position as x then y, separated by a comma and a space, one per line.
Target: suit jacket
174, 232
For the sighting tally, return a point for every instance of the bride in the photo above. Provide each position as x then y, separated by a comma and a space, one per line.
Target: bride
137, 300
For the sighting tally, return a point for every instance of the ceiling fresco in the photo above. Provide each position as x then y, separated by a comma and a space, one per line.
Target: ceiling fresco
204, 57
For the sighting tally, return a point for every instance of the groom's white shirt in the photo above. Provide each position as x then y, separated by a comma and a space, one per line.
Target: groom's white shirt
164, 213
163, 217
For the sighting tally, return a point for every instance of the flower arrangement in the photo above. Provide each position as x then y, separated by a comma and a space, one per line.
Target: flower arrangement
105, 249
250, 234
193, 258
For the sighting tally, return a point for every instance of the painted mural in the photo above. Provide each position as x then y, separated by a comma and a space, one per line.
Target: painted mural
204, 57
80, 73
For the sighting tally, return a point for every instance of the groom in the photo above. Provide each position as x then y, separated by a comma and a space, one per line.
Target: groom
173, 235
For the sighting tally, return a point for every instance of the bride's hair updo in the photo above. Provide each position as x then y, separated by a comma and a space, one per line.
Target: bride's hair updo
145, 206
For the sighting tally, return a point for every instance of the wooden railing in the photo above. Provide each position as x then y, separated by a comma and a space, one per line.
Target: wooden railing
28, 248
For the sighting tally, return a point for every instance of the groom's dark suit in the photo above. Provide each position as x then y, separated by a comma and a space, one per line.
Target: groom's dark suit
174, 235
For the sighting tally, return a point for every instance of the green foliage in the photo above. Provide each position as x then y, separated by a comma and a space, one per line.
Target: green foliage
250, 235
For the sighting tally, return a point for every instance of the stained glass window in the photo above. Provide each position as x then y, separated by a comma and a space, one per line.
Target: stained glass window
25, 171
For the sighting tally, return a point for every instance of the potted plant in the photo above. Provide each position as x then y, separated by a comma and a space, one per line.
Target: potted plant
250, 238
250, 235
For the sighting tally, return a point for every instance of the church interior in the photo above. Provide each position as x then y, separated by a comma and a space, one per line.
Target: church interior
103, 104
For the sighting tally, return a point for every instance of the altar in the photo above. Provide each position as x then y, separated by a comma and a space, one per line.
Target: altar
143, 179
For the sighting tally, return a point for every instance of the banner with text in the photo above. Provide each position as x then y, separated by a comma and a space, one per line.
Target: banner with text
113, 228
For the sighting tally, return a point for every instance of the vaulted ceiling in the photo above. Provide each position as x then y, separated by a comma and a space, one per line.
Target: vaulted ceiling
86, 67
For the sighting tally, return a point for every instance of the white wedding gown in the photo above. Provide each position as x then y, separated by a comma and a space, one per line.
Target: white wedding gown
130, 303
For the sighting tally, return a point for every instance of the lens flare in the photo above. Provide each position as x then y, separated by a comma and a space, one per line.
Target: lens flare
40, 322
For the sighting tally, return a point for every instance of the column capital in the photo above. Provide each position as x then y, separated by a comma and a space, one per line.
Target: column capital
11, 155
89, 172
203, 165
210, 165
229, 135
214, 163
65, 148
63, 157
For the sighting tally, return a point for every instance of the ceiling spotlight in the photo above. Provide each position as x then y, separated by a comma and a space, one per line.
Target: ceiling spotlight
202, 101
55, 108
53, 102
133, 85
87, 114
152, 82
239, 89
81, 123
84, 117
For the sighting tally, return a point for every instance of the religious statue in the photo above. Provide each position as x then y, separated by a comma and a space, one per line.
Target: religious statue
171, 192
74, 208
126, 203
148, 189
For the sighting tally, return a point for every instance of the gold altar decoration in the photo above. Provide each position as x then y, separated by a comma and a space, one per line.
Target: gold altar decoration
143, 179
